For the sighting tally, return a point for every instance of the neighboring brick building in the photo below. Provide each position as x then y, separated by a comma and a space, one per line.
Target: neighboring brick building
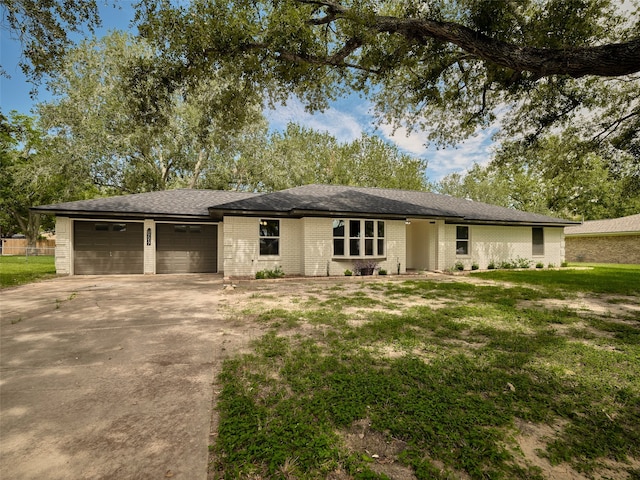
604, 241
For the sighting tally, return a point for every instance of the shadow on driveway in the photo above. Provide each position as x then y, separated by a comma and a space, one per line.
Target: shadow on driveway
109, 377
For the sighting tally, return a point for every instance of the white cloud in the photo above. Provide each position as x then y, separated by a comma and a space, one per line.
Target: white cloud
347, 119
343, 126
476, 149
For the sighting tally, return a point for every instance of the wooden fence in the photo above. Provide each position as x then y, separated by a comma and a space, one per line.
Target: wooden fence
19, 246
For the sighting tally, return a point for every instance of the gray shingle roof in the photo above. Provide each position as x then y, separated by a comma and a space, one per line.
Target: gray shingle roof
171, 203
630, 224
346, 200
300, 201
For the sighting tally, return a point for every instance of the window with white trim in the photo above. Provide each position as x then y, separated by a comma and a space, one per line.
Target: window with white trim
269, 237
462, 240
358, 238
537, 241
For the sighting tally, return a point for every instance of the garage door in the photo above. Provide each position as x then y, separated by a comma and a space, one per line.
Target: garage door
108, 248
186, 248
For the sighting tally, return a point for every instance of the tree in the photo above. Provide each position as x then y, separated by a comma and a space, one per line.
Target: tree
558, 176
448, 67
32, 172
300, 156
135, 134
43, 29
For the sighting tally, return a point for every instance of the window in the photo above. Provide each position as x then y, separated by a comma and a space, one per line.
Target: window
102, 227
180, 229
358, 238
462, 240
269, 237
537, 240
380, 238
119, 227
338, 237
354, 238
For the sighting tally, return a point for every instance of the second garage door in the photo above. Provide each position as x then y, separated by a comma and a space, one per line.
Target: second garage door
186, 248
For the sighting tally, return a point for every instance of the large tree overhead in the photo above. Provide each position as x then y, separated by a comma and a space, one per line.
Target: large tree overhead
446, 66
43, 28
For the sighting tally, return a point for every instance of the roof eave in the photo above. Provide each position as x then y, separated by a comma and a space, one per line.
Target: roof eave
112, 214
520, 223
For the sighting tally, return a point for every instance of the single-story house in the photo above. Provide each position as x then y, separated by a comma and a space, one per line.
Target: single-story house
312, 230
616, 240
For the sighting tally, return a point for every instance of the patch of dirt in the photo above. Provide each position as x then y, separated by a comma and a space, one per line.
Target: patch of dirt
603, 305
532, 438
383, 451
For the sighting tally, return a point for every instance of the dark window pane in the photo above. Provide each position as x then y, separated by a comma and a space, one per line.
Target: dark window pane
338, 228
380, 229
119, 227
380, 246
462, 247
102, 227
195, 229
269, 228
180, 228
462, 233
354, 246
269, 246
354, 228
338, 246
537, 239
368, 228
368, 246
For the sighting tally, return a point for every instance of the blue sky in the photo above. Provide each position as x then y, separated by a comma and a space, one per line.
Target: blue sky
346, 119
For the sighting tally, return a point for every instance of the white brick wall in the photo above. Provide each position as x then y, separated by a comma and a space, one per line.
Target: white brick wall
306, 247
318, 248
317, 237
241, 247
500, 243
396, 236
63, 245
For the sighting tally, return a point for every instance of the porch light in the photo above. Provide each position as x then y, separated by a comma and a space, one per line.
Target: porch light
407, 222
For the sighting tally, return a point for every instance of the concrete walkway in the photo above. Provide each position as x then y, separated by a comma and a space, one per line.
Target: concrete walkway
109, 377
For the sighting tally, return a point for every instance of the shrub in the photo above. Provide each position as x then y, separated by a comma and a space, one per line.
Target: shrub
522, 262
459, 266
275, 273
492, 265
475, 266
551, 265
539, 265
382, 271
506, 264
564, 264
348, 273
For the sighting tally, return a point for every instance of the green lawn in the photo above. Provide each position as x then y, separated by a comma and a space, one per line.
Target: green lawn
595, 278
449, 375
18, 270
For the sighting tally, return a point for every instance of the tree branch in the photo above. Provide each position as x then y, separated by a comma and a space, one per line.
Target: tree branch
603, 60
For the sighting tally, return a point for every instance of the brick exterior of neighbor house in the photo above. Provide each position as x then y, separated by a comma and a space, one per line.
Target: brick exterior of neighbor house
615, 240
604, 249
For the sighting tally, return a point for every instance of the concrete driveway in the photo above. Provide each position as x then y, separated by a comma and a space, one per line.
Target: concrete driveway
110, 377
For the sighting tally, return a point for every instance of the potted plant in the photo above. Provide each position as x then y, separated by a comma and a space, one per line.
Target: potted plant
365, 267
